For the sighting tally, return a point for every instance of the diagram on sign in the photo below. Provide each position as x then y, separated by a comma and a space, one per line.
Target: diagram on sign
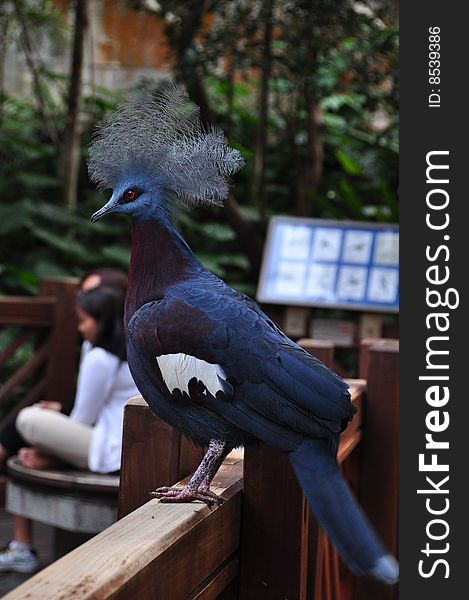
326, 245
321, 281
387, 249
357, 247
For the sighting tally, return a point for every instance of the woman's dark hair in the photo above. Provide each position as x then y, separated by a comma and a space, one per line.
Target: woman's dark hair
109, 277
106, 306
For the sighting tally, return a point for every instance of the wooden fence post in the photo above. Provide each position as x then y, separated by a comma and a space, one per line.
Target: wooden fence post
364, 352
153, 454
275, 529
380, 456
279, 532
324, 351
62, 361
321, 349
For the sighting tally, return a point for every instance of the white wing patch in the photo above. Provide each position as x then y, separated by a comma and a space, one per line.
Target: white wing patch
178, 369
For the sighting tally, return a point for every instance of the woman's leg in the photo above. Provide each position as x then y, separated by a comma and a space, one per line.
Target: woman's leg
18, 555
55, 434
22, 530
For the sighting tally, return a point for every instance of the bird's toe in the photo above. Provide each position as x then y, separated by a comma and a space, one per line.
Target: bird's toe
165, 490
168, 495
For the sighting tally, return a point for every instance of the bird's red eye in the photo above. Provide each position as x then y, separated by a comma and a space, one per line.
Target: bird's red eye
130, 194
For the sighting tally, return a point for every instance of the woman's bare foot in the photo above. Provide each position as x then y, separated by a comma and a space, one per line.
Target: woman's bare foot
32, 458
49, 404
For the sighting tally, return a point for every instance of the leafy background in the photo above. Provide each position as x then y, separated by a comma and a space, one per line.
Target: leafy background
325, 70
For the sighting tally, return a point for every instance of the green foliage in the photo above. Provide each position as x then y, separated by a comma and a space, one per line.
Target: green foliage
38, 236
321, 49
216, 246
343, 56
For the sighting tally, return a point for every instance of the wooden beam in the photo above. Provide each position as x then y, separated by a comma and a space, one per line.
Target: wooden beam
34, 395
275, 528
13, 346
364, 352
52, 315
328, 576
34, 312
24, 372
217, 584
351, 437
157, 551
279, 532
379, 479
321, 349
153, 454
63, 361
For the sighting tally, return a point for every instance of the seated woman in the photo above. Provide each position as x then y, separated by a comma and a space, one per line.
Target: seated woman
10, 439
91, 437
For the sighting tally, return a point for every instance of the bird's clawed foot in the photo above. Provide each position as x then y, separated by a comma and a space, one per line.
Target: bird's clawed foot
174, 494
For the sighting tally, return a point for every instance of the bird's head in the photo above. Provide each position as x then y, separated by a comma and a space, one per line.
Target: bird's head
153, 151
135, 196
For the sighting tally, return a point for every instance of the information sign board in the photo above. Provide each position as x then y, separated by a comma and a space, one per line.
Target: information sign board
337, 264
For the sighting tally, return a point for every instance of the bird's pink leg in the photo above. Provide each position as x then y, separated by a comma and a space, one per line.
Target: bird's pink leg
198, 487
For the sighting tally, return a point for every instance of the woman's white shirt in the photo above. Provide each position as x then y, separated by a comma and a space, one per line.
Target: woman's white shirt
104, 385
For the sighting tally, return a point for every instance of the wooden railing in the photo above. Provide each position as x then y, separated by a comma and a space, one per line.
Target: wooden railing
267, 547
153, 453
158, 551
284, 552
47, 325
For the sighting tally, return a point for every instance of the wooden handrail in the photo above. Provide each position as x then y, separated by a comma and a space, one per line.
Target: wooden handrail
15, 344
25, 371
379, 482
190, 552
365, 346
280, 536
49, 322
174, 551
34, 395
34, 312
169, 456
351, 437
62, 364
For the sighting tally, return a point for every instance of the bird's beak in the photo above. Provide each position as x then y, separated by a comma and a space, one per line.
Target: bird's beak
105, 210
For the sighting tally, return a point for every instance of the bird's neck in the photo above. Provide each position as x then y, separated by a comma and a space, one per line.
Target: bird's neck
159, 259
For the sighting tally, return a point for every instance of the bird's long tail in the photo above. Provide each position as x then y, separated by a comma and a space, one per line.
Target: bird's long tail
338, 512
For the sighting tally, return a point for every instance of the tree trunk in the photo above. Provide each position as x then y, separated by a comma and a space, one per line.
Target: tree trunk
261, 142
315, 142
247, 232
313, 163
70, 151
230, 78
181, 40
4, 38
49, 124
